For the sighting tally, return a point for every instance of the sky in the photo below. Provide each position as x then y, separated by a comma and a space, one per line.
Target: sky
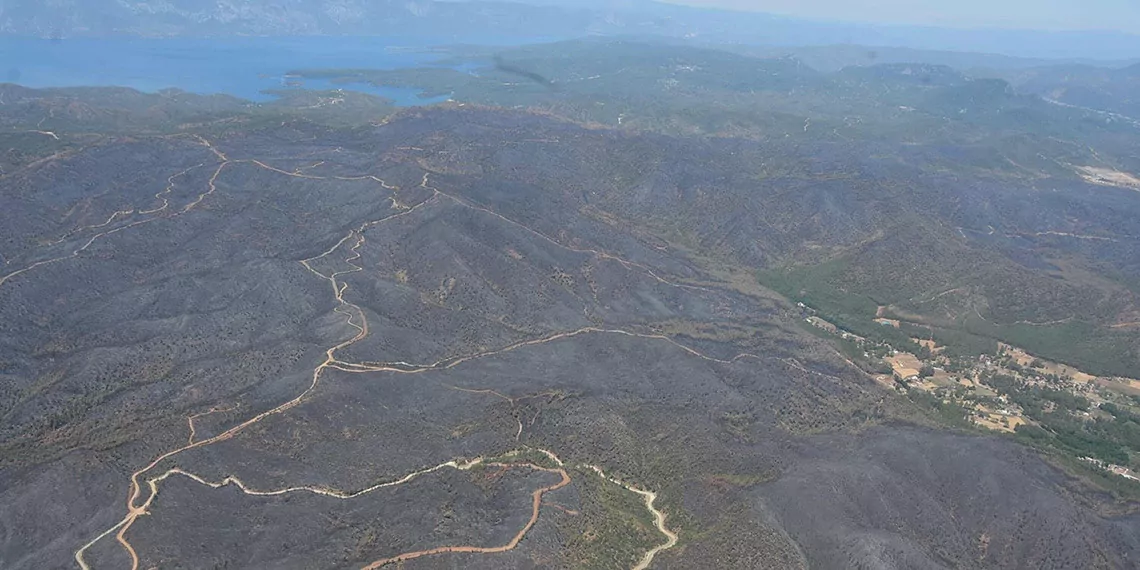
1118, 15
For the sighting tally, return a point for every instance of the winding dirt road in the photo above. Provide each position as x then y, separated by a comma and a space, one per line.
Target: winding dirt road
658, 517
158, 214
536, 506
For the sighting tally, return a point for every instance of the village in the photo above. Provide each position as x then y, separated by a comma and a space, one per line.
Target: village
995, 390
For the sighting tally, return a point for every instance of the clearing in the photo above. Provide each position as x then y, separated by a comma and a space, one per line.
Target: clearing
905, 364
1109, 177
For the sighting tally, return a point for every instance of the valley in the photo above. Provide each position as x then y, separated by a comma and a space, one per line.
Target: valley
1007, 390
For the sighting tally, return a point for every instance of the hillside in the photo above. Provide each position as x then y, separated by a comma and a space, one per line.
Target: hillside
912, 179
1113, 90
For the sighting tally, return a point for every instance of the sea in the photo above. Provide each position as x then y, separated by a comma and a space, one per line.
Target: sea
244, 67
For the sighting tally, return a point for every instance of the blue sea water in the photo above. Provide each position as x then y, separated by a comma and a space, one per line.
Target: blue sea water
244, 67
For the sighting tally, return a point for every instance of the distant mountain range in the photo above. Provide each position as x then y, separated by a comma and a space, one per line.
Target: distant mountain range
165, 18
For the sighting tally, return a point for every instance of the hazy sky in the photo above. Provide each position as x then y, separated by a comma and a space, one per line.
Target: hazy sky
1121, 15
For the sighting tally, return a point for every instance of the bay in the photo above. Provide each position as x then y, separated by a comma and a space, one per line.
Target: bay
240, 66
